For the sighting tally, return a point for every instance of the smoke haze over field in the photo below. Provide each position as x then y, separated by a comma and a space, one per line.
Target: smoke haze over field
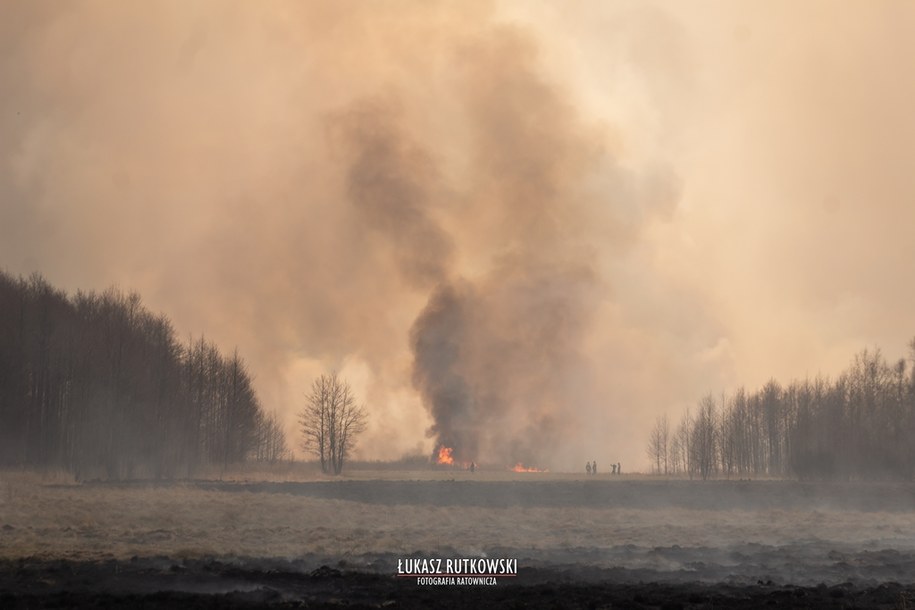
530, 227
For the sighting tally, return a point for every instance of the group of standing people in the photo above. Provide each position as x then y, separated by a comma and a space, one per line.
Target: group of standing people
591, 468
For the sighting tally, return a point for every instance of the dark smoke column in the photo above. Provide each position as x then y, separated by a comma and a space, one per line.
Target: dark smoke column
506, 228
497, 362
497, 353
436, 339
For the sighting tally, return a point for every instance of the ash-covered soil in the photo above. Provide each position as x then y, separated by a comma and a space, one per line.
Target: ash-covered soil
209, 583
579, 542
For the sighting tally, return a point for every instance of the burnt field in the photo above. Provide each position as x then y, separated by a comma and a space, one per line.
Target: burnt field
596, 541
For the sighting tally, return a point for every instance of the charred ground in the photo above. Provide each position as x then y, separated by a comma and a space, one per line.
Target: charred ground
209, 583
580, 542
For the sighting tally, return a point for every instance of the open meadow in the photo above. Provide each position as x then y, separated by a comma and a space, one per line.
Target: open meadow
592, 531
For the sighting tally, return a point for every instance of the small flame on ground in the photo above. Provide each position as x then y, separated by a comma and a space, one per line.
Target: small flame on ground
519, 467
444, 456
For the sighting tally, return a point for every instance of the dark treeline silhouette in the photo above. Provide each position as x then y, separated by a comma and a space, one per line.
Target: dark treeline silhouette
860, 425
98, 385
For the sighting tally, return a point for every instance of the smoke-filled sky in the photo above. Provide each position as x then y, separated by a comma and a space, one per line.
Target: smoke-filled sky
525, 228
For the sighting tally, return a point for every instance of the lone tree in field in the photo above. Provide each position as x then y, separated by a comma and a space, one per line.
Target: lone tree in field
330, 421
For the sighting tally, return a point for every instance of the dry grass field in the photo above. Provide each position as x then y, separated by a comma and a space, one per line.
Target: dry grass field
290, 535
637, 526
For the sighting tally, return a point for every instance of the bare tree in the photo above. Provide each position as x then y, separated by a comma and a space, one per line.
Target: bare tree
683, 437
271, 441
658, 444
330, 421
704, 444
676, 452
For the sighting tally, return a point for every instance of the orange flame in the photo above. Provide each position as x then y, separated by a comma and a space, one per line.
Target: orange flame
519, 467
444, 456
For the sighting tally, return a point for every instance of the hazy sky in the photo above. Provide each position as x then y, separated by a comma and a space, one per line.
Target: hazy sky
632, 203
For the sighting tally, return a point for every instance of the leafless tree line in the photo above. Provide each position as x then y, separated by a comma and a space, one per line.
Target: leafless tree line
98, 385
859, 425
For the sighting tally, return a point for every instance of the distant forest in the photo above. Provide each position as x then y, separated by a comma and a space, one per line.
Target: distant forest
860, 425
97, 385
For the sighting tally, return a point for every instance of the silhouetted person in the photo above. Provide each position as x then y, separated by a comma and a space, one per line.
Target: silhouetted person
619, 468
613, 466
594, 467
472, 467
588, 467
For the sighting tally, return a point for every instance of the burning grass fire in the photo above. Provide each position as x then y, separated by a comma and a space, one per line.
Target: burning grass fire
445, 456
519, 467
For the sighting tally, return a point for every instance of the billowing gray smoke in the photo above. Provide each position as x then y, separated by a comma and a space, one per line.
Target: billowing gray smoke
402, 191
498, 365
497, 354
391, 184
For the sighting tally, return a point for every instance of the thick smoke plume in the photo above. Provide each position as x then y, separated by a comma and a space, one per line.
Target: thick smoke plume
498, 356
527, 228
391, 184
497, 350
499, 365
402, 191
